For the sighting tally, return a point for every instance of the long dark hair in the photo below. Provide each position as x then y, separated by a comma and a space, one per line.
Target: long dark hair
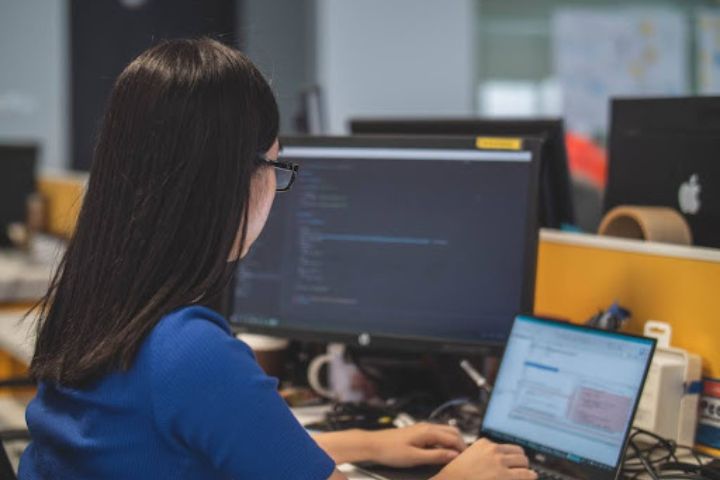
168, 190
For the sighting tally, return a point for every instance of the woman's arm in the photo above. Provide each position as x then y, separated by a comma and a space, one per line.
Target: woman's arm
404, 447
347, 446
210, 396
428, 444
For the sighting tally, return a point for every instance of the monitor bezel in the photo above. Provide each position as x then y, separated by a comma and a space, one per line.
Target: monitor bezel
384, 341
581, 471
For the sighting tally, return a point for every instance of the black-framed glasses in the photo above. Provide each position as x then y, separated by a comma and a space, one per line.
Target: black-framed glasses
285, 172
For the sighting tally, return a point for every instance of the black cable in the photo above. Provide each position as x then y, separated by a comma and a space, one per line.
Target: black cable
653, 455
641, 457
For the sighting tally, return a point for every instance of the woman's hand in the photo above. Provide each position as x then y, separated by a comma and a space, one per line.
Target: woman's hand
419, 444
485, 460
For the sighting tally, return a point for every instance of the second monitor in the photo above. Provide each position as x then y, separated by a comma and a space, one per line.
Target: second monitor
555, 208
395, 241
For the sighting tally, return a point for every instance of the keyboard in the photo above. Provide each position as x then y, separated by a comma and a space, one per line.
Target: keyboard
547, 474
389, 473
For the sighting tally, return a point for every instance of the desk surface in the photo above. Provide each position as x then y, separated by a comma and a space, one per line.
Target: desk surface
25, 275
16, 334
307, 415
24, 278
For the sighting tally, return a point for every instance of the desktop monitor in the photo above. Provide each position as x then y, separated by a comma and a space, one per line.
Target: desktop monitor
17, 183
395, 242
555, 195
664, 152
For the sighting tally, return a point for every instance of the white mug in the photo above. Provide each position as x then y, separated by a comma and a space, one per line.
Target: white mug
340, 375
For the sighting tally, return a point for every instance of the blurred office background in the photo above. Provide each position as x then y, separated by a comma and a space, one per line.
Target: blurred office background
331, 61
334, 60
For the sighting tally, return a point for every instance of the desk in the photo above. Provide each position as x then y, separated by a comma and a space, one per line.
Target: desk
21, 278
16, 338
16, 335
307, 415
25, 276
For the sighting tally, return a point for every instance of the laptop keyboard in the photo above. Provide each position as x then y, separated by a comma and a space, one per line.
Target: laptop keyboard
548, 476
545, 474
389, 473
425, 472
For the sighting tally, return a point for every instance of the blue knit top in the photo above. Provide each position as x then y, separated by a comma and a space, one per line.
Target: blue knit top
194, 405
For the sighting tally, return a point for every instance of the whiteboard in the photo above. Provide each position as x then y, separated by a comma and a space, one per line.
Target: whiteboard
600, 53
708, 51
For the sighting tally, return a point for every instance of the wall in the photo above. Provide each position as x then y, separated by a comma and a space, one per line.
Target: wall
405, 57
279, 37
33, 76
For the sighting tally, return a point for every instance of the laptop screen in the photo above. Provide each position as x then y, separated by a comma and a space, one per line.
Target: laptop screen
568, 391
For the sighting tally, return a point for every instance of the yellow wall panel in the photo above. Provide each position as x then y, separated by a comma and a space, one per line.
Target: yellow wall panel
579, 274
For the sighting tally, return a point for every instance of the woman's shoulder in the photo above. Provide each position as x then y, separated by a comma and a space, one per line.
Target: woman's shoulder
192, 320
191, 337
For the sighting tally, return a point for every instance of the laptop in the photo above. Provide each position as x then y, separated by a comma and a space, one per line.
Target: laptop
565, 393
664, 152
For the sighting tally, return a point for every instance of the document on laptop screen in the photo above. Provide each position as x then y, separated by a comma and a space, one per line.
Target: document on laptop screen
568, 391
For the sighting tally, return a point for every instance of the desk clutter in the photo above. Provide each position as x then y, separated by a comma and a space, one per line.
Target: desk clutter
25, 274
670, 402
21, 279
545, 401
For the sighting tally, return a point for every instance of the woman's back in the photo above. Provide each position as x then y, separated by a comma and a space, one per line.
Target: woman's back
194, 405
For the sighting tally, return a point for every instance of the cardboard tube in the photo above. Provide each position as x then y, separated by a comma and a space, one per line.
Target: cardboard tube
654, 224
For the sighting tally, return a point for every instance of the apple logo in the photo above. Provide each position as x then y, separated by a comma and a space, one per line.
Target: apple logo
689, 195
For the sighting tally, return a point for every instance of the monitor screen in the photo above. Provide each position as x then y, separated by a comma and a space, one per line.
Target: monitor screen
568, 391
17, 183
555, 209
404, 239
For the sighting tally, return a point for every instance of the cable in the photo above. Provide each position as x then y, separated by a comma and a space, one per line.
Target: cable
641, 457
449, 404
463, 413
653, 455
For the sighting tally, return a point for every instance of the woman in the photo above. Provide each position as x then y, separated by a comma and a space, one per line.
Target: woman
137, 377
